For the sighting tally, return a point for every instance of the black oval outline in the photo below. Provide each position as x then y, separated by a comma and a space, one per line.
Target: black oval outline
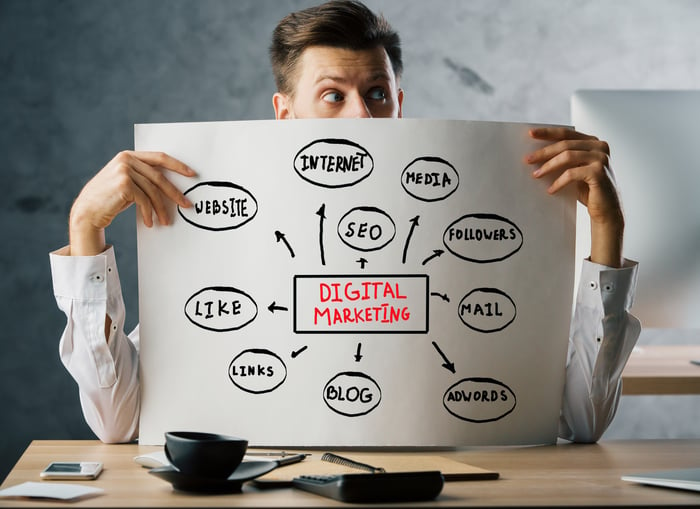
366, 209
334, 141
222, 289
258, 351
480, 380
432, 159
219, 183
484, 216
355, 374
488, 290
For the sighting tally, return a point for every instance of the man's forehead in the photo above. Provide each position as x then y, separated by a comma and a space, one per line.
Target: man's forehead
324, 62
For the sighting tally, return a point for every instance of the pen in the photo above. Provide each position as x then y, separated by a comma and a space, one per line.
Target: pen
291, 458
281, 454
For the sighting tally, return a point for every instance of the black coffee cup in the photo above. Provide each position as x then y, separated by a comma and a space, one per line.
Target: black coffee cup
204, 454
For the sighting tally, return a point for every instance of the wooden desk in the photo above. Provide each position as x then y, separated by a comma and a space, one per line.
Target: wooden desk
548, 476
662, 369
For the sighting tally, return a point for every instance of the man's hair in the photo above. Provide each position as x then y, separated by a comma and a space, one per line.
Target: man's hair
346, 24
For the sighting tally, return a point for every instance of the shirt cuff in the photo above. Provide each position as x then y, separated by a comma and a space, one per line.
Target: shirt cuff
83, 277
614, 288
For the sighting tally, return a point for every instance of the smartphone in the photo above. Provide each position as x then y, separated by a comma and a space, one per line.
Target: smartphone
72, 470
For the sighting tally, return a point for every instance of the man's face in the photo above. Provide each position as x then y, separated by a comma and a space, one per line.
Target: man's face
342, 83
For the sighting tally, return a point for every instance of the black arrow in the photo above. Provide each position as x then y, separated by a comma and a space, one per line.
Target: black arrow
280, 236
362, 262
436, 253
273, 307
297, 352
358, 355
450, 366
414, 223
441, 295
321, 212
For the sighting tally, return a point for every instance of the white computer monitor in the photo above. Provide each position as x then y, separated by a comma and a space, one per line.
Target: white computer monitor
655, 146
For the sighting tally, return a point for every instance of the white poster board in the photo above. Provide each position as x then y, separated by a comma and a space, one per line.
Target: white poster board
356, 282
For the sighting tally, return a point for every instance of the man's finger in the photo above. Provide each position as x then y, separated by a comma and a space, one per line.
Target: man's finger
163, 160
572, 175
558, 133
151, 197
158, 179
550, 151
143, 205
570, 159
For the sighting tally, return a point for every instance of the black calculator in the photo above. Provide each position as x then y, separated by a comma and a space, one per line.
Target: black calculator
377, 487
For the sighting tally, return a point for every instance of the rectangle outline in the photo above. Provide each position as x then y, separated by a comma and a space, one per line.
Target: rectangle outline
368, 276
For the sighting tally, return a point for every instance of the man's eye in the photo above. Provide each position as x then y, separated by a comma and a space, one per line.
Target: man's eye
377, 94
332, 97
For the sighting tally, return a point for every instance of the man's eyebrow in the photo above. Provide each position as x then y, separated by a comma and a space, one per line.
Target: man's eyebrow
330, 77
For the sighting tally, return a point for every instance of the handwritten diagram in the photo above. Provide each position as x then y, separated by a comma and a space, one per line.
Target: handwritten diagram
377, 283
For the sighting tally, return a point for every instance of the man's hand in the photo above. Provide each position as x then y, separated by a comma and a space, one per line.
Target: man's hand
131, 177
582, 160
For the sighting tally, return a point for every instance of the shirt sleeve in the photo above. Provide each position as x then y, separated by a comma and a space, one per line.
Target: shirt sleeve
603, 334
87, 289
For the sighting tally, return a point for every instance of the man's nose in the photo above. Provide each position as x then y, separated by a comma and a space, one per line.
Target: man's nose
357, 107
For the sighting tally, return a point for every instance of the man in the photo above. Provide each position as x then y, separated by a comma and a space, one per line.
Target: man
334, 60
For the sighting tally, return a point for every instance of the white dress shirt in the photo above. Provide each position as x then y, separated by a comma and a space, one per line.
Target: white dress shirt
87, 289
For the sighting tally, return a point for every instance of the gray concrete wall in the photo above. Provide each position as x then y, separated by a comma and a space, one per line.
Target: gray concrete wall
76, 75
